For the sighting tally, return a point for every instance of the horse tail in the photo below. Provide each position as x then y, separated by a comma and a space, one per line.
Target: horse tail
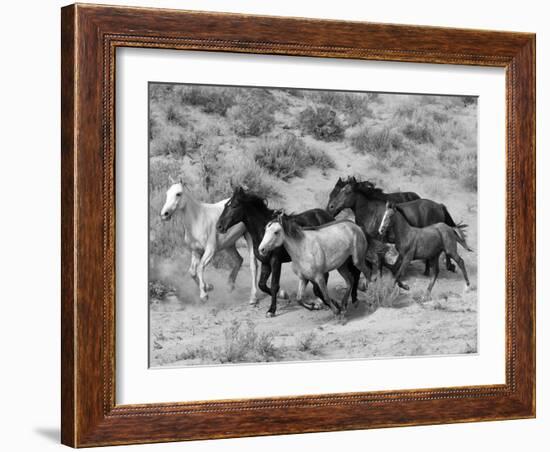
461, 236
448, 219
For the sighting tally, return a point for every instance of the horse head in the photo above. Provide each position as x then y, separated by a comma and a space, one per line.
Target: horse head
273, 236
387, 218
342, 196
174, 200
233, 211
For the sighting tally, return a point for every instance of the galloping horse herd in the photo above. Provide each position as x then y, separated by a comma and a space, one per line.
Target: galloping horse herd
315, 242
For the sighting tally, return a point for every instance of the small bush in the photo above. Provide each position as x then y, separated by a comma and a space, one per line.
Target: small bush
250, 118
287, 156
158, 290
212, 100
243, 344
266, 348
307, 342
417, 131
174, 116
383, 292
378, 142
322, 123
252, 176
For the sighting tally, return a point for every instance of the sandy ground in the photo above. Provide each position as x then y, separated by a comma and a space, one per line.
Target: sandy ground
226, 329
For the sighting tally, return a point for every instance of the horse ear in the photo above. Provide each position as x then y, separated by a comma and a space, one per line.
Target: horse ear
171, 179
181, 181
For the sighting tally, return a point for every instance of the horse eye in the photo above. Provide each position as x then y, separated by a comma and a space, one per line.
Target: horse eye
178, 194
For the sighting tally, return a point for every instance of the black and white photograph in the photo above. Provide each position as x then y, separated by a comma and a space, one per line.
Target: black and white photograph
299, 225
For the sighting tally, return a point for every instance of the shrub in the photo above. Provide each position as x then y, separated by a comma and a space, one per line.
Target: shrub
159, 290
417, 131
286, 156
211, 99
377, 142
177, 141
250, 119
307, 342
383, 292
249, 174
321, 123
243, 343
174, 116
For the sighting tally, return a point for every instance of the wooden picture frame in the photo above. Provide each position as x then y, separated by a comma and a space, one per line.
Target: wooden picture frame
90, 35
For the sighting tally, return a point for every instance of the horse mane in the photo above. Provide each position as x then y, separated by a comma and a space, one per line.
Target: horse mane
291, 228
370, 191
253, 200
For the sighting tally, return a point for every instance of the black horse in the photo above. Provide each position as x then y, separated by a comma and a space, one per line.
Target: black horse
369, 204
255, 214
396, 197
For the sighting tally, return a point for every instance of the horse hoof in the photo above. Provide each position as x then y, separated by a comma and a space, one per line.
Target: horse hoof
427, 296
467, 288
404, 286
204, 298
231, 287
362, 286
253, 302
269, 314
209, 287
451, 268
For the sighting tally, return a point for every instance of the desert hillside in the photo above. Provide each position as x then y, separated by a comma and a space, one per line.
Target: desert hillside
290, 146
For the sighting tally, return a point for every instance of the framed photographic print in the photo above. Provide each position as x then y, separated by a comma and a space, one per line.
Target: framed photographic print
280, 225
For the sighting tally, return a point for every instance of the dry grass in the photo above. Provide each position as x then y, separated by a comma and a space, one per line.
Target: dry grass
286, 156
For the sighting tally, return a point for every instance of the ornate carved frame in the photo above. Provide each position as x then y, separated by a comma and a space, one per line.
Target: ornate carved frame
90, 36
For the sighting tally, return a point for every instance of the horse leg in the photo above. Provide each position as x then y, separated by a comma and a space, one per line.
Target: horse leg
195, 259
349, 279
205, 260
427, 267
321, 282
404, 264
359, 263
237, 261
450, 265
253, 270
265, 272
302, 283
460, 263
319, 294
275, 278
435, 264
356, 274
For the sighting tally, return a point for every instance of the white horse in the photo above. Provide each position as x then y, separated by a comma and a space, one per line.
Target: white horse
201, 236
318, 250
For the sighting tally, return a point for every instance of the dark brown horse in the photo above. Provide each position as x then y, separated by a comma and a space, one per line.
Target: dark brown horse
369, 204
397, 197
425, 243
